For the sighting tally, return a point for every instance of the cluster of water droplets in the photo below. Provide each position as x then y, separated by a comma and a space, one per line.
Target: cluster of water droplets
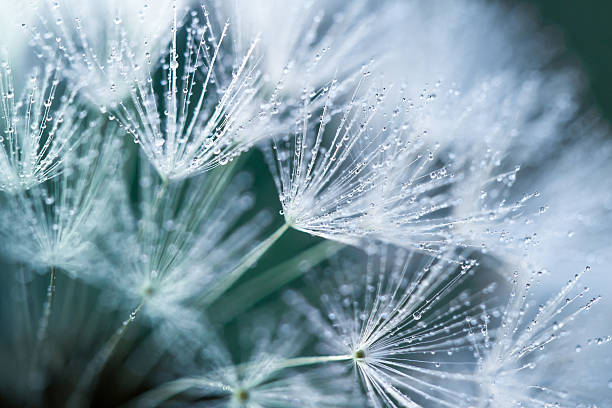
367, 169
207, 116
530, 339
101, 43
395, 318
310, 40
40, 129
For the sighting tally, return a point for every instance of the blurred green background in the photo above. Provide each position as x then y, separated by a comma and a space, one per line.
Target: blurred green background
586, 30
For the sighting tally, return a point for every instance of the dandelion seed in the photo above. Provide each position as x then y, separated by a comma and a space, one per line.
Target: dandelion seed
206, 117
261, 380
313, 40
38, 129
53, 224
530, 342
373, 176
398, 325
100, 42
181, 243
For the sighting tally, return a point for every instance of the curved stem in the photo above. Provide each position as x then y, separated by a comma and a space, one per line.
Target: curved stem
247, 262
97, 364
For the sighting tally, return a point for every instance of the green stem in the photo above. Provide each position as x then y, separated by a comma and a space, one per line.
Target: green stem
43, 324
160, 193
43, 328
158, 198
247, 262
97, 364
271, 280
305, 361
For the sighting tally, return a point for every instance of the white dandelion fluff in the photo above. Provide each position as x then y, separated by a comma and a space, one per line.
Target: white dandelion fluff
53, 224
492, 137
39, 128
182, 244
494, 115
205, 117
99, 42
410, 341
313, 39
573, 217
374, 175
530, 344
437, 41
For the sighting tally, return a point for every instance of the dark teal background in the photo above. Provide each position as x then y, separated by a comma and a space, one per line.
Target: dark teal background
586, 30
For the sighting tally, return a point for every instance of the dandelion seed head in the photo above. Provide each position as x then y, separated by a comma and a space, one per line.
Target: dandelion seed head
207, 117
455, 160
400, 342
360, 174
100, 42
531, 340
54, 222
39, 129
259, 378
180, 241
313, 39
